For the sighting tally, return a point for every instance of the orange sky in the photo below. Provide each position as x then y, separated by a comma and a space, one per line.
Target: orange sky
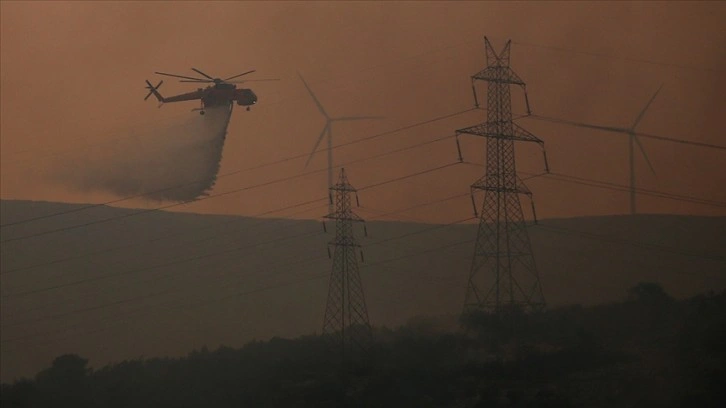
71, 83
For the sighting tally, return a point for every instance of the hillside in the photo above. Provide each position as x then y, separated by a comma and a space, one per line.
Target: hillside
647, 351
162, 283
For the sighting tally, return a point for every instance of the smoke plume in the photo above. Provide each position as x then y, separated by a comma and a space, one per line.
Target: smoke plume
178, 162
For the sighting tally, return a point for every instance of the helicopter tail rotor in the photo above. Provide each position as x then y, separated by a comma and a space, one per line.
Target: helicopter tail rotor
154, 90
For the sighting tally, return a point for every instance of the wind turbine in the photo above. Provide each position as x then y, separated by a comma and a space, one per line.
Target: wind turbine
328, 130
632, 141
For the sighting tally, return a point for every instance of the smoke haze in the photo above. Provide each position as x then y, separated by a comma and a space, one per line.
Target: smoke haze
589, 62
174, 162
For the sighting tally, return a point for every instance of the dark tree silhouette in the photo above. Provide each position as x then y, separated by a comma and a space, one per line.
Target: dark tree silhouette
648, 292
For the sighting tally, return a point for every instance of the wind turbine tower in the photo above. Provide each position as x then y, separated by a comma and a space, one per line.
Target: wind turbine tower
503, 278
328, 131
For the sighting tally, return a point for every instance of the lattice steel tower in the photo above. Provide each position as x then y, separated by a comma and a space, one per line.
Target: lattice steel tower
503, 276
346, 316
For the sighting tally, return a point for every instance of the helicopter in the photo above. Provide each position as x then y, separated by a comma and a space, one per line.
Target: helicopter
222, 92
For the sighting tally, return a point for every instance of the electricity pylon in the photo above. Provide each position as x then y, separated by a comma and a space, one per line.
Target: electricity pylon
503, 276
346, 315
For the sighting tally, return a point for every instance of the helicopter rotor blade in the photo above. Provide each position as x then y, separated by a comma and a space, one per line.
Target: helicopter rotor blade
178, 76
202, 73
200, 81
250, 80
239, 75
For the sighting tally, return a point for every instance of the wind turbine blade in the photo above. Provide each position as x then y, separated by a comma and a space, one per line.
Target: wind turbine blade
597, 127
200, 72
355, 118
317, 102
317, 143
580, 124
642, 113
681, 141
239, 75
642, 150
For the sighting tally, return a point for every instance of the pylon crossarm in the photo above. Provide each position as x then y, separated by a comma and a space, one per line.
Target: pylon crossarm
343, 187
500, 130
504, 75
524, 135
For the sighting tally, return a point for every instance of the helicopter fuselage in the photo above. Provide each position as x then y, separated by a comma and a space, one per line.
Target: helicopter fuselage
221, 94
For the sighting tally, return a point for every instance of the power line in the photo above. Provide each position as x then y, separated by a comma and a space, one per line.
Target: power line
466, 42
261, 214
375, 242
426, 171
615, 57
382, 214
297, 262
268, 183
257, 167
136, 243
175, 262
207, 255
619, 187
225, 222
637, 244
172, 263
370, 265
645, 135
